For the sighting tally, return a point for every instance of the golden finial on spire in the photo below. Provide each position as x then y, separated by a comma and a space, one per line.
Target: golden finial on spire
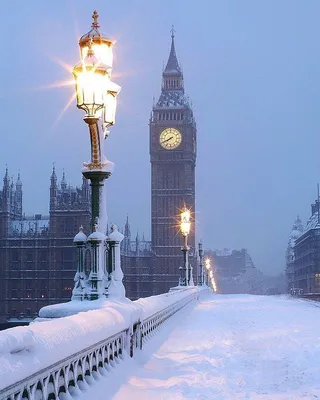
173, 31
95, 16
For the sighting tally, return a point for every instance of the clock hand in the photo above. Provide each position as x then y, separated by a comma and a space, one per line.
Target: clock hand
167, 140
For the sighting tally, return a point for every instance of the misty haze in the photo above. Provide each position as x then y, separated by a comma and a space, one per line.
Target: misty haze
160, 206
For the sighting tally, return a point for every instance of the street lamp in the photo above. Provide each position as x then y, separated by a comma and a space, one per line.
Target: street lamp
96, 95
185, 226
208, 267
200, 276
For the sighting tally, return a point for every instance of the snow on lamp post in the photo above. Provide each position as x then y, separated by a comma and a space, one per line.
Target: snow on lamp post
185, 226
96, 96
116, 288
79, 290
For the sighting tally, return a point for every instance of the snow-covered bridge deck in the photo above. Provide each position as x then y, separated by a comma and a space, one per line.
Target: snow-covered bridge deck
225, 347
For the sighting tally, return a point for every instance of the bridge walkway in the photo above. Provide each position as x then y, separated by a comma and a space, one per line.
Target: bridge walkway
225, 347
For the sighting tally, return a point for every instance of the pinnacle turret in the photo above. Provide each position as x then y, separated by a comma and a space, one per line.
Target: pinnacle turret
126, 243
53, 177
18, 182
64, 181
6, 179
127, 232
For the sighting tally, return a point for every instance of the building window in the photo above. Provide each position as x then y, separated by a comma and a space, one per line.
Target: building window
43, 256
317, 280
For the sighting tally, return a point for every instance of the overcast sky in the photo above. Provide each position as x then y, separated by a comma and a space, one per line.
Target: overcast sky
251, 69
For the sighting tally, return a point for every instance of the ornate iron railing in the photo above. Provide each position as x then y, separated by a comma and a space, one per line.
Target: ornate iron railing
75, 372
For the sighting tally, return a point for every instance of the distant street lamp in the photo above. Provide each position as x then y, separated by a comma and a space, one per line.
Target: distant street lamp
96, 95
200, 272
208, 267
185, 226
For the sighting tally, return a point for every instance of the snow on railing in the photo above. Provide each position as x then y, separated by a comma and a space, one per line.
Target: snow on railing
57, 358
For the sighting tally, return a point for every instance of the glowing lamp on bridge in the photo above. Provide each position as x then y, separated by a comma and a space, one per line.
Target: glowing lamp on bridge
207, 263
96, 95
185, 223
91, 79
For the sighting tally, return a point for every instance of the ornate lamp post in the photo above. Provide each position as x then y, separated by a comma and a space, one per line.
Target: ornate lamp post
96, 95
200, 276
208, 267
185, 226
92, 78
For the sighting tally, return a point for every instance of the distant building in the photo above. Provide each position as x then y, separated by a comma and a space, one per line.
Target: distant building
296, 232
303, 271
231, 263
234, 271
136, 263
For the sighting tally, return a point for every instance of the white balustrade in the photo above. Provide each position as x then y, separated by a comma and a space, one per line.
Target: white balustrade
73, 373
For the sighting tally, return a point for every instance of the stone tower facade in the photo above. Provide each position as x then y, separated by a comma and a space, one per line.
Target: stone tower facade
173, 161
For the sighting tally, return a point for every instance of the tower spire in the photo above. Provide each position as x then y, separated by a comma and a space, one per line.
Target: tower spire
6, 178
172, 64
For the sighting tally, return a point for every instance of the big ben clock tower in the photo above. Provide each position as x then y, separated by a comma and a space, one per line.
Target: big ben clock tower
173, 161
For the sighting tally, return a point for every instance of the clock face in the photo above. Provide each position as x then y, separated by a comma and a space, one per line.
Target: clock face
170, 138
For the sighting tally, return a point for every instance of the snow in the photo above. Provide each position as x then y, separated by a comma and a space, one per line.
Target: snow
29, 349
115, 235
29, 225
225, 347
80, 237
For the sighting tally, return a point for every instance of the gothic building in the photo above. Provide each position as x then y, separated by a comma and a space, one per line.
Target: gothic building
173, 161
37, 255
136, 262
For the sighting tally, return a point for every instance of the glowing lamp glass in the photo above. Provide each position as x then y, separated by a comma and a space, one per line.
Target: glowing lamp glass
109, 111
91, 81
185, 222
102, 51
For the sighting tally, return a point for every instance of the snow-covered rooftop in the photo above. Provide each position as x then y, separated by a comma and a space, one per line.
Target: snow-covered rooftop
30, 226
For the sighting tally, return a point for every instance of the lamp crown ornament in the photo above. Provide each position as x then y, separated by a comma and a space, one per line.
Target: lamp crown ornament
102, 44
95, 16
